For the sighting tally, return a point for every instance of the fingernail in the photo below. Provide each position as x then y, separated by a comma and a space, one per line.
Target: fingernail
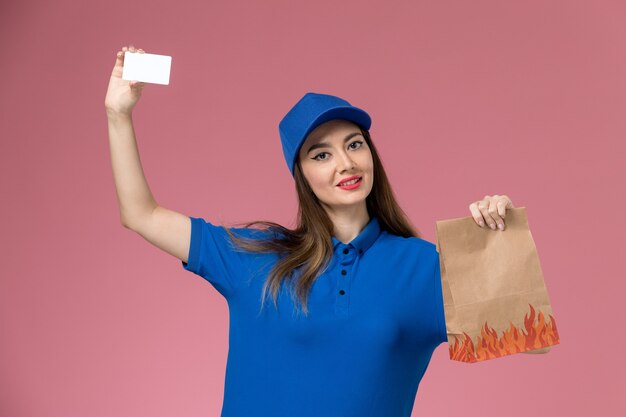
480, 223
493, 226
501, 226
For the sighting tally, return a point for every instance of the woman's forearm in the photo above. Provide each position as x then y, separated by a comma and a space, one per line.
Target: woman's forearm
133, 193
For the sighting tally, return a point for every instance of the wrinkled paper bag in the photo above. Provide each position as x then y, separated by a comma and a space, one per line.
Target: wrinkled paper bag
495, 299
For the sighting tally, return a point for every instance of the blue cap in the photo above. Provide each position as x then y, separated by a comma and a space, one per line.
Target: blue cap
309, 112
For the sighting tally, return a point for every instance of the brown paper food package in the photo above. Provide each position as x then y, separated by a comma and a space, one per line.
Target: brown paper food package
495, 299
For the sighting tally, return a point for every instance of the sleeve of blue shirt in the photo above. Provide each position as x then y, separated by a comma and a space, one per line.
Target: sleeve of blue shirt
214, 257
441, 316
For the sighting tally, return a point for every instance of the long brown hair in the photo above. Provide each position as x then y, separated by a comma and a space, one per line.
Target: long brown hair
308, 248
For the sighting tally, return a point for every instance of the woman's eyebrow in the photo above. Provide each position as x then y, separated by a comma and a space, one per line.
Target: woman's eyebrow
324, 144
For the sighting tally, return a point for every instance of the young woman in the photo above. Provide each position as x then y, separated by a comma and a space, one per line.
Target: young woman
357, 305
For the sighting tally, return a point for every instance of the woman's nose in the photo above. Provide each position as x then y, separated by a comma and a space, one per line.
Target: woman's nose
344, 162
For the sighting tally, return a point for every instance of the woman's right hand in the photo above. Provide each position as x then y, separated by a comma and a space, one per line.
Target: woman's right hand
122, 95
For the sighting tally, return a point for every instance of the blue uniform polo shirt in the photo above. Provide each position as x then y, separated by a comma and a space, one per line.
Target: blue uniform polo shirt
375, 317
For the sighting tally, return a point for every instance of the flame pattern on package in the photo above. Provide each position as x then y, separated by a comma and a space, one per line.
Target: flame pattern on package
538, 334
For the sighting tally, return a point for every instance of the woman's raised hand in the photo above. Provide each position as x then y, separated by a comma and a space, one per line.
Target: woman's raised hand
491, 210
122, 95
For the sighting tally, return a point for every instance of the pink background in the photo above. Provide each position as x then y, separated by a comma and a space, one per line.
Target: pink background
490, 97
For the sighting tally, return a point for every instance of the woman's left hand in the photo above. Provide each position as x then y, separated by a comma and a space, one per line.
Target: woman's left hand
491, 210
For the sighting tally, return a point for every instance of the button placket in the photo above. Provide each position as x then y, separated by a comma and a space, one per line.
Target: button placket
347, 258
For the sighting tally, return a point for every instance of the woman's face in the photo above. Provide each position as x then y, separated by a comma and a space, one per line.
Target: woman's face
332, 152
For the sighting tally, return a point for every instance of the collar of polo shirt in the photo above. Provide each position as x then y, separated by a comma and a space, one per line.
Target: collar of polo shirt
365, 239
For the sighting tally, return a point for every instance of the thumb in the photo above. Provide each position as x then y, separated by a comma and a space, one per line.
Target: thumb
137, 85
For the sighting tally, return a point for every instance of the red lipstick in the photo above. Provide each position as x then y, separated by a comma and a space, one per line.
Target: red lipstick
350, 186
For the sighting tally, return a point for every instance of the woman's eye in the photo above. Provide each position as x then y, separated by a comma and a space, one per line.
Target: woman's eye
318, 155
360, 142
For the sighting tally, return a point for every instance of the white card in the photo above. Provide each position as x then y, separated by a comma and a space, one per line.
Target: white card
149, 68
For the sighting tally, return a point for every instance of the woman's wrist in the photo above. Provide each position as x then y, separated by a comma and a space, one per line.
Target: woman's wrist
116, 116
